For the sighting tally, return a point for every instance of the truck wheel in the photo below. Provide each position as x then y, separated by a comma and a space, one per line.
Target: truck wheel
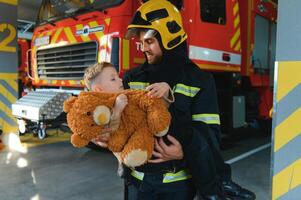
41, 131
21, 126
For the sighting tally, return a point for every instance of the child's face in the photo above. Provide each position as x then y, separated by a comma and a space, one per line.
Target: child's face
108, 81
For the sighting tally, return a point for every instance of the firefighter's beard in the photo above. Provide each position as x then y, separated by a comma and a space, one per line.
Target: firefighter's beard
152, 58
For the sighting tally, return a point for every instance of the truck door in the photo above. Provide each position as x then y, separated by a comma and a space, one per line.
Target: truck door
214, 36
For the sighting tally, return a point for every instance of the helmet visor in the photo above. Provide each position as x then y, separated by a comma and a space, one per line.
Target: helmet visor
135, 32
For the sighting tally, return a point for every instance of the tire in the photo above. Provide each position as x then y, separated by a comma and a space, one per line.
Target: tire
41, 131
22, 127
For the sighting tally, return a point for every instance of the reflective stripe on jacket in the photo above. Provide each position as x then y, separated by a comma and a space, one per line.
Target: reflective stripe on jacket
167, 177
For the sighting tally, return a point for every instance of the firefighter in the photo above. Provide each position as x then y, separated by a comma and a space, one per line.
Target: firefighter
158, 25
195, 119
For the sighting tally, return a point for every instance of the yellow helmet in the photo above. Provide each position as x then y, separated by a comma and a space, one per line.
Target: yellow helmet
162, 16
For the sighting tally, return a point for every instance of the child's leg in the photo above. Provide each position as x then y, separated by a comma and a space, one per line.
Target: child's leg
120, 167
138, 149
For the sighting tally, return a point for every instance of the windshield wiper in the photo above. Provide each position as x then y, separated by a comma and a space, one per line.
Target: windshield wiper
48, 21
77, 12
83, 9
72, 16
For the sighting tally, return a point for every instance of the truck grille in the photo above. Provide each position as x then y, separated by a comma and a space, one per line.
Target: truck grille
67, 62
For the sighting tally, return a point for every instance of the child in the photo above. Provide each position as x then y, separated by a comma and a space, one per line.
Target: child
103, 77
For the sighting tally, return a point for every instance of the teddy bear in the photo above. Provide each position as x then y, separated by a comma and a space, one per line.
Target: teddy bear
141, 120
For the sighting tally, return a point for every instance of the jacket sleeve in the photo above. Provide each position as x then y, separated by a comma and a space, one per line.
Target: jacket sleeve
196, 147
126, 80
204, 110
135, 75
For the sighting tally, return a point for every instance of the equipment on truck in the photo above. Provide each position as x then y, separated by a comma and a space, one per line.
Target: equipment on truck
41, 107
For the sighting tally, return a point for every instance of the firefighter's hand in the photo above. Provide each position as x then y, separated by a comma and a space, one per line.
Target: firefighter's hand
120, 103
102, 140
158, 90
165, 152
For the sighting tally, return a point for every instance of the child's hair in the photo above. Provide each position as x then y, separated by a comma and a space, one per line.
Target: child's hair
93, 71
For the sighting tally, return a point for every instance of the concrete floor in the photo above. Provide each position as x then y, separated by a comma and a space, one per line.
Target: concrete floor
253, 173
60, 172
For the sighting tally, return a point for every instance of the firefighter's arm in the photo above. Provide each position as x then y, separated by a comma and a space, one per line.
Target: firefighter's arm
161, 90
165, 152
205, 109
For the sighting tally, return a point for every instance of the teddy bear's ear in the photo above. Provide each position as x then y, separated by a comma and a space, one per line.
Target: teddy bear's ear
77, 141
69, 103
101, 115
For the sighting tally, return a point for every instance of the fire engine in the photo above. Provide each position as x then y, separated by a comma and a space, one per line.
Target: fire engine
233, 39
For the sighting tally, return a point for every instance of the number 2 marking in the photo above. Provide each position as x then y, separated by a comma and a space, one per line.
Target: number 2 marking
4, 44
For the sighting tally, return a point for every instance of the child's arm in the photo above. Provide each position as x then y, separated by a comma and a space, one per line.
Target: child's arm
120, 103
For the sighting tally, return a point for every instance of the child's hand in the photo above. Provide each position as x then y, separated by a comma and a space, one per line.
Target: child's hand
158, 90
120, 103
102, 140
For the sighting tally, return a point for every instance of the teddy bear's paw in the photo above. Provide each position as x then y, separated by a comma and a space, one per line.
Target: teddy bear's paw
162, 133
135, 158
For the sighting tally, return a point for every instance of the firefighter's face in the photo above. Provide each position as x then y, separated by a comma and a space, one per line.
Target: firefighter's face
107, 81
151, 48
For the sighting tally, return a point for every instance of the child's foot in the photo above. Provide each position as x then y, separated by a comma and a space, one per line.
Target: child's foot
120, 171
135, 158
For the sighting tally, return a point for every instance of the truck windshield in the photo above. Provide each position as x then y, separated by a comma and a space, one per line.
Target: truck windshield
52, 10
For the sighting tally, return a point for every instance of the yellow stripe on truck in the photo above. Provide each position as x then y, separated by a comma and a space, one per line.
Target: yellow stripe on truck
125, 54
56, 35
70, 35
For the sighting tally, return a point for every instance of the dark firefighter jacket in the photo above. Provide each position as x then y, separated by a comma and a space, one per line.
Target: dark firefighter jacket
194, 111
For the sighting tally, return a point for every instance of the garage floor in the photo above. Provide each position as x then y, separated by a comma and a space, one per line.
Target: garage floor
58, 171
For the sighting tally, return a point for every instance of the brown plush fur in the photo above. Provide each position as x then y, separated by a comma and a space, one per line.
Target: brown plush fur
141, 119
1, 145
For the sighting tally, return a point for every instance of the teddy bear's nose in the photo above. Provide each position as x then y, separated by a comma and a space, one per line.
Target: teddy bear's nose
101, 115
